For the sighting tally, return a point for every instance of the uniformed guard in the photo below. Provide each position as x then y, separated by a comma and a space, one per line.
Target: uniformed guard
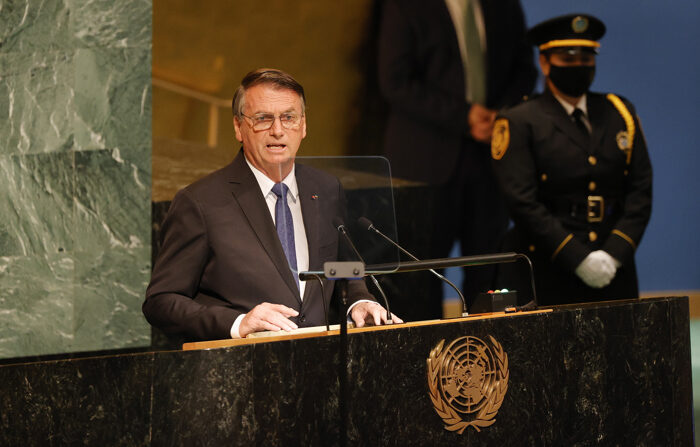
575, 171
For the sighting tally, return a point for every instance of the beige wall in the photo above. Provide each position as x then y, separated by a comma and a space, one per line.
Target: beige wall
209, 46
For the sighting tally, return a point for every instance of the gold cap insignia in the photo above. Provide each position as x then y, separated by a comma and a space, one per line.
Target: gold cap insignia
500, 139
579, 24
467, 381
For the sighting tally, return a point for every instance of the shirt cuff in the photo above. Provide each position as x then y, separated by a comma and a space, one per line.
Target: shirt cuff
236, 325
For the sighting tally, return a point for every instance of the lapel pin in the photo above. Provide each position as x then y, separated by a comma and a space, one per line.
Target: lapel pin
314, 197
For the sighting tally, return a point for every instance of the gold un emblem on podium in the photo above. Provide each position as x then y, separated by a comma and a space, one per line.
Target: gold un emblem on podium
467, 380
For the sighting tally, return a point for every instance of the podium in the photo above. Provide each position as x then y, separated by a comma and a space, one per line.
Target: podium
613, 373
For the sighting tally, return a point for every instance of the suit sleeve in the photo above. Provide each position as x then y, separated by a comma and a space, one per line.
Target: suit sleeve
516, 173
628, 230
400, 79
173, 301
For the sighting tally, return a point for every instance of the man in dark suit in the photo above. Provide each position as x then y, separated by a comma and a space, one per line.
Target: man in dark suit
445, 67
575, 170
234, 241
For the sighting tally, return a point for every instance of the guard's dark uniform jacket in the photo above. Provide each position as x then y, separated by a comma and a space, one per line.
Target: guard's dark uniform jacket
570, 194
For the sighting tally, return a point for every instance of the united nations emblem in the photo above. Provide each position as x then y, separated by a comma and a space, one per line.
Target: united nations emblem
467, 381
500, 139
579, 24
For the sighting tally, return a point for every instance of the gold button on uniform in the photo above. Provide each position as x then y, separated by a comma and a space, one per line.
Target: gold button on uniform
531, 248
592, 186
592, 236
544, 177
592, 160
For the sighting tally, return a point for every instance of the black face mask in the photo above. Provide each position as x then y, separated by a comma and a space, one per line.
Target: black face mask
572, 81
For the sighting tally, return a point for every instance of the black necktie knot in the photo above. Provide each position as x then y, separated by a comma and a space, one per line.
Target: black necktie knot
577, 116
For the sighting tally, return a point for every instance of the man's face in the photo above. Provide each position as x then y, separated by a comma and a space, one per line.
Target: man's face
272, 151
565, 59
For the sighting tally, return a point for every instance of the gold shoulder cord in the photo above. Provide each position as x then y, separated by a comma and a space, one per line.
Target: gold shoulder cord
629, 122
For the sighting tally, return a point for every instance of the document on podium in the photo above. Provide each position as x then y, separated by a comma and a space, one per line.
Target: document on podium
301, 330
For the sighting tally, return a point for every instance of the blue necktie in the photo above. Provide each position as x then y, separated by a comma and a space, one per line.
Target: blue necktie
285, 227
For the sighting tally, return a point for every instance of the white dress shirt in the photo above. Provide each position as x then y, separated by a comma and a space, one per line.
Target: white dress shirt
581, 104
300, 242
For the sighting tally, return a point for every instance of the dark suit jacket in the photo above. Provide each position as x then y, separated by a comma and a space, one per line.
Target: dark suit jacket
422, 77
547, 173
221, 256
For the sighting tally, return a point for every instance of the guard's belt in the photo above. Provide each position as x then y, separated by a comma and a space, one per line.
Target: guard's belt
590, 208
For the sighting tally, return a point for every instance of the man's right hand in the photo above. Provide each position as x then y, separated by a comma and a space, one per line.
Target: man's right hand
267, 317
480, 122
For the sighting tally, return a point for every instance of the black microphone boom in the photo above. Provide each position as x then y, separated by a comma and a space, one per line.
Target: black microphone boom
340, 226
366, 223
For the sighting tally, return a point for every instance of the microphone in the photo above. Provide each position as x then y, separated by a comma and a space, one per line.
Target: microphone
340, 226
366, 223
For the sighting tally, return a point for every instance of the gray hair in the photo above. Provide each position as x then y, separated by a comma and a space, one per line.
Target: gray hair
269, 76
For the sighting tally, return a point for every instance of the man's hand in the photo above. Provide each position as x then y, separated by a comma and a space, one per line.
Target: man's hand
370, 313
597, 269
267, 317
480, 122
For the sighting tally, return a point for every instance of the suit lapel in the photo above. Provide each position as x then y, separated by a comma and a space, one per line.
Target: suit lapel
561, 120
247, 192
308, 194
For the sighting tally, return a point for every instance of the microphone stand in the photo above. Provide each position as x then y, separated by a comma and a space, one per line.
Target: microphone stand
343, 394
366, 223
341, 228
462, 261
323, 301
341, 272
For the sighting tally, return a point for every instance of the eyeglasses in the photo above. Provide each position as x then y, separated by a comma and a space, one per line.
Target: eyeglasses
264, 121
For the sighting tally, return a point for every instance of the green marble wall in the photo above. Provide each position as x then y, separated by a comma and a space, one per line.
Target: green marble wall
75, 174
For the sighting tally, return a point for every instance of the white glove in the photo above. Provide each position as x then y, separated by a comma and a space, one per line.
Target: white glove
615, 262
597, 269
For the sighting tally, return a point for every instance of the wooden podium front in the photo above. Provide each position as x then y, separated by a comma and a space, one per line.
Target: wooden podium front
615, 373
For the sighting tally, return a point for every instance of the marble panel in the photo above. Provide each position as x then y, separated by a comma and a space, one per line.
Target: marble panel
603, 374
294, 378
75, 232
112, 98
680, 376
36, 204
113, 252
36, 305
27, 26
106, 23
203, 398
268, 395
109, 289
576, 377
112, 200
95, 401
36, 102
